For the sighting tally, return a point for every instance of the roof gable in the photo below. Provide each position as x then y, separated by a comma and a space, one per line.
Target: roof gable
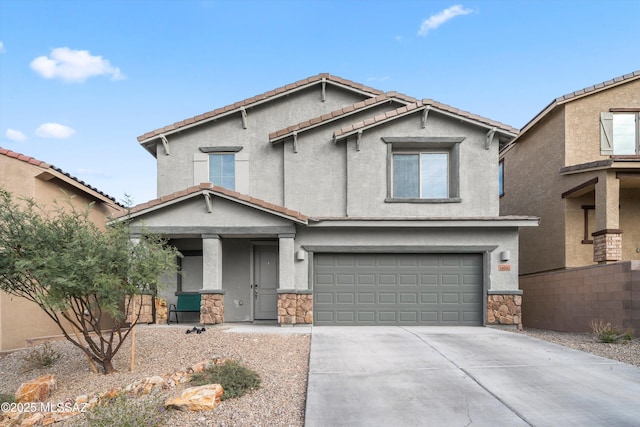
206, 189
322, 78
425, 104
54, 172
358, 107
569, 97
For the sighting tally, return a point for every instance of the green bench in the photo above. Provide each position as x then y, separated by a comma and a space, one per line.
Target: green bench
187, 303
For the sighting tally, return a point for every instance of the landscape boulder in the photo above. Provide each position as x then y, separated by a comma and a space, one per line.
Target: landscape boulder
202, 398
37, 390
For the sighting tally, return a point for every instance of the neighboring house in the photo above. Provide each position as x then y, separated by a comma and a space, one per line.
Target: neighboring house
26, 177
330, 202
576, 165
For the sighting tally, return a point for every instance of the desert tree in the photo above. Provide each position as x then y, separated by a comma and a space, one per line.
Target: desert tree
78, 273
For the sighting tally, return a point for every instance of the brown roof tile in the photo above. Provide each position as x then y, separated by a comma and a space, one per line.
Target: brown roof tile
389, 115
263, 96
274, 136
578, 93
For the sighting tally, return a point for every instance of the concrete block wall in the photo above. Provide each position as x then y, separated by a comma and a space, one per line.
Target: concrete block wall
569, 300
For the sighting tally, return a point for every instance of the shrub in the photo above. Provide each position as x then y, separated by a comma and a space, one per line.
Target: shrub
235, 379
43, 355
606, 333
125, 411
7, 398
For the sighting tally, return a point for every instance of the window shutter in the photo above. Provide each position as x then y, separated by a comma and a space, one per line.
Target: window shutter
606, 133
200, 168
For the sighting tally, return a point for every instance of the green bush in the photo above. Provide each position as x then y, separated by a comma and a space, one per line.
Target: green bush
606, 333
128, 412
7, 398
43, 355
235, 379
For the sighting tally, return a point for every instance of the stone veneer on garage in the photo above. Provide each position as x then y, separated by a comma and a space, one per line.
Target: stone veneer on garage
504, 309
295, 308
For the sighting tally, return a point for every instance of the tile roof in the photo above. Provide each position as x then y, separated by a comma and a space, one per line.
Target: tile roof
44, 165
578, 94
229, 194
350, 109
249, 101
415, 106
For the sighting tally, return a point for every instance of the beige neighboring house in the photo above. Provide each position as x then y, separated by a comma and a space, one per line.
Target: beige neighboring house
576, 165
27, 177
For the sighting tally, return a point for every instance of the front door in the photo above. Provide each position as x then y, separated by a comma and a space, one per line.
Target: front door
265, 283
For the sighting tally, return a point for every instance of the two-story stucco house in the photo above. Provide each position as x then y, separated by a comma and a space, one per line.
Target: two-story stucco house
332, 203
576, 165
26, 177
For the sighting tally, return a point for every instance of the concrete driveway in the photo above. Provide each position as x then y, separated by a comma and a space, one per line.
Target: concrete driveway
461, 376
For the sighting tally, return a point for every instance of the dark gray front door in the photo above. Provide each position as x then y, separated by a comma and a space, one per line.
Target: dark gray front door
397, 289
265, 271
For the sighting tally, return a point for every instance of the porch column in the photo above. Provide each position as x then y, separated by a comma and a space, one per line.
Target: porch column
211, 262
212, 294
607, 240
286, 261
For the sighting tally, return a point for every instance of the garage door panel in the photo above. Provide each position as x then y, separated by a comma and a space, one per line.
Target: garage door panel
366, 297
387, 298
408, 316
428, 298
409, 279
366, 317
366, 279
428, 280
408, 298
323, 298
345, 297
409, 289
387, 316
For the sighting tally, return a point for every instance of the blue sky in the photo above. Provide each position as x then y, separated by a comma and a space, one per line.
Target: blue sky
80, 80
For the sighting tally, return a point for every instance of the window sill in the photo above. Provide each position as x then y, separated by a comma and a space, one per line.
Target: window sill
416, 200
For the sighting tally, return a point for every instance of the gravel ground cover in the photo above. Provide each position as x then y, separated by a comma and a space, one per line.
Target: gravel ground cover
281, 360
627, 352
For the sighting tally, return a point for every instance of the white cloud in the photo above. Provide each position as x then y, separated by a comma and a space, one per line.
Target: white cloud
434, 21
2, 49
54, 130
15, 135
377, 79
74, 65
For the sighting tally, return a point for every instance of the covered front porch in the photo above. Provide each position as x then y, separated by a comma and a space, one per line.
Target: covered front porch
238, 254
603, 212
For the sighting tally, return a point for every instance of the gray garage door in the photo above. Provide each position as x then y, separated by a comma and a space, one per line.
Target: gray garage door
397, 289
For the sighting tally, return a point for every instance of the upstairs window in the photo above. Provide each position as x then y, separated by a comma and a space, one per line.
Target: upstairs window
423, 169
421, 175
619, 133
222, 170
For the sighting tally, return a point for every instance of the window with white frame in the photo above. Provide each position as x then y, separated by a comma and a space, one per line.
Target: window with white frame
222, 170
423, 169
620, 133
